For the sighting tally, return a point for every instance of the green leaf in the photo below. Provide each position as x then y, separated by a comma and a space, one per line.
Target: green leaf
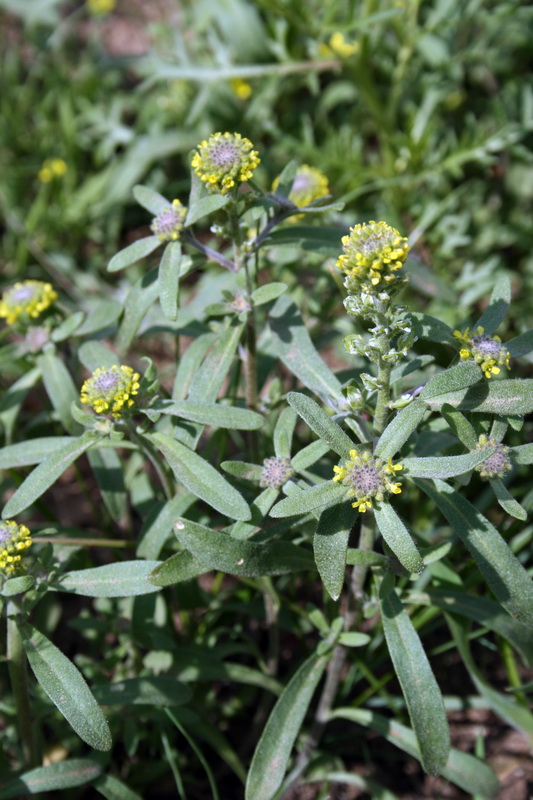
420, 689
113, 789
204, 206
507, 501
48, 471
319, 422
309, 455
104, 315
14, 586
53, 778
459, 377
259, 508
292, 344
354, 639
176, 569
66, 688
159, 524
366, 558
141, 297
273, 750
400, 429
12, 400
133, 253
460, 426
301, 502
330, 543
398, 538
503, 572
59, 388
220, 551
152, 201
466, 771
243, 470
521, 345
406, 368
122, 579
188, 364
444, 466
269, 292
283, 433
109, 473
523, 454
169, 279
68, 327
200, 478
318, 239
24, 454
433, 329
94, 355
213, 414
498, 306
508, 396
148, 690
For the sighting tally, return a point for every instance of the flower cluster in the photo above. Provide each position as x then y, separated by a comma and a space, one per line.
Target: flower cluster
338, 46
14, 540
497, 464
225, 159
487, 351
367, 479
309, 184
110, 389
29, 298
373, 252
169, 222
52, 168
276, 472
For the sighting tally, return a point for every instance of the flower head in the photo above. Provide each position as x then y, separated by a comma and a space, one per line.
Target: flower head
373, 252
223, 160
169, 222
101, 7
14, 540
29, 297
276, 472
487, 351
497, 464
309, 185
52, 168
110, 389
367, 479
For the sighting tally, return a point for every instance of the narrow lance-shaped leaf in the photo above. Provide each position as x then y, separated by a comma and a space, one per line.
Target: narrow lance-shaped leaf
330, 543
498, 306
60, 389
52, 778
133, 253
400, 429
176, 569
169, 279
122, 579
211, 414
432, 329
220, 551
94, 355
48, 471
33, 451
321, 424
420, 689
273, 750
267, 293
444, 466
460, 426
141, 297
148, 690
66, 688
113, 789
507, 501
460, 377
283, 433
200, 478
507, 396
109, 473
150, 200
503, 572
398, 537
301, 502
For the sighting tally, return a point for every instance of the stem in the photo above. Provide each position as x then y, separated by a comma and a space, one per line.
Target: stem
151, 453
381, 413
210, 254
16, 662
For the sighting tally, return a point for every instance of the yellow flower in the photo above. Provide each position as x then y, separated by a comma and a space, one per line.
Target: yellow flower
101, 7
309, 184
373, 252
225, 159
487, 351
241, 88
338, 46
110, 389
497, 464
52, 168
29, 298
169, 222
367, 479
14, 540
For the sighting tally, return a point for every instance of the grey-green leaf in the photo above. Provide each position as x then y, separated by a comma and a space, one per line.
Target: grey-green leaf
201, 478
273, 750
507, 501
211, 414
503, 572
267, 293
150, 200
330, 543
398, 537
133, 253
301, 502
48, 471
461, 376
52, 778
176, 569
204, 206
121, 579
498, 306
508, 396
420, 689
444, 466
60, 389
169, 279
141, 296
220, 551
33, 451
400, 429
433, 329
94, 354
319, 422
147, 690
66, 688
113, 789
460, 426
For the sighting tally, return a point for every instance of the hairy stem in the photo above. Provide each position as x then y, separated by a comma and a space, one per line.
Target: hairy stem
18, 675
151, 453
